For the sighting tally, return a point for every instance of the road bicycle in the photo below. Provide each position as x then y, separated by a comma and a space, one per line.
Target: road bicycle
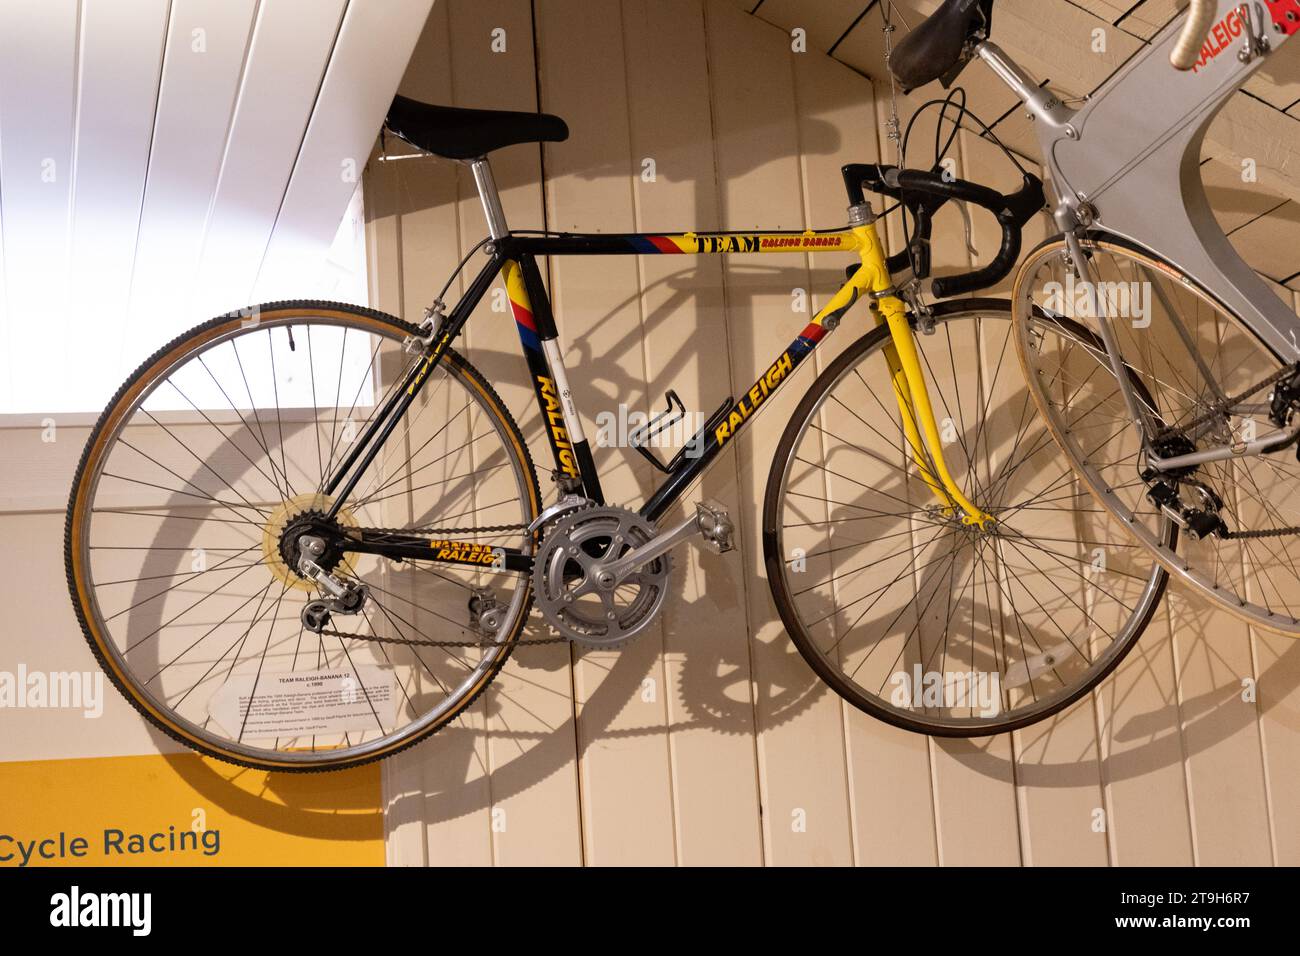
307, 535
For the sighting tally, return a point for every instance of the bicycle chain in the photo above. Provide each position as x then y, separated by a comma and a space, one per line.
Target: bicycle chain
1217, 410
429, 642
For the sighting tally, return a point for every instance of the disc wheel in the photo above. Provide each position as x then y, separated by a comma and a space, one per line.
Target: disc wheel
911, 615
216, 452
1188, 353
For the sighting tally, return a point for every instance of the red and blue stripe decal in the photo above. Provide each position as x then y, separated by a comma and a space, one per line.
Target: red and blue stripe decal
526, 325
650, 245
807, 341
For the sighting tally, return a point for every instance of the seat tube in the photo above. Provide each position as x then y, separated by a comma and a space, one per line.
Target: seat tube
575, 466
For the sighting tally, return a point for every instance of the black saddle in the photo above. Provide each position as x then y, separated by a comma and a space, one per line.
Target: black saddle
934, 49
468, 134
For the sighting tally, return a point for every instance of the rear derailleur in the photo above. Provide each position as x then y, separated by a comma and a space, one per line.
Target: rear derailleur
343, 596
1165, 489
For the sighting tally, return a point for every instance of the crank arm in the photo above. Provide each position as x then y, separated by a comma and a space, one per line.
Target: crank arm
709, 521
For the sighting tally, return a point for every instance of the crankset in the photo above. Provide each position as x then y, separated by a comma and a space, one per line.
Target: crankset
601, 574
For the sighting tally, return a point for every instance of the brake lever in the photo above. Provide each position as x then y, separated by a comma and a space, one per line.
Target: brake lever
967, 228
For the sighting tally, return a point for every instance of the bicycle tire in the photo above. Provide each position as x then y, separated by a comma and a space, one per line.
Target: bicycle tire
139, 382
783, 597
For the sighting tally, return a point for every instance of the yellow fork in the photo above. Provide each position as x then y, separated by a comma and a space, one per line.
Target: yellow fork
909, 382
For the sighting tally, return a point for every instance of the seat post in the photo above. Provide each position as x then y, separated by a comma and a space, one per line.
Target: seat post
487, 193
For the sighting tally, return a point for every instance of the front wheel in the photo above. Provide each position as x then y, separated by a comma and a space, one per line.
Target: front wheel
909, 614
195, 483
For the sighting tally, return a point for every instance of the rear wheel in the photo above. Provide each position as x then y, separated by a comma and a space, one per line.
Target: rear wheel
1200, 370
909, 614
192, 489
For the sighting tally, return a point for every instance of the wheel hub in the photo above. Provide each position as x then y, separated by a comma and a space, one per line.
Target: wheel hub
302, 515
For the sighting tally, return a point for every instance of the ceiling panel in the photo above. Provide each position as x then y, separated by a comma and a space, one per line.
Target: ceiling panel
206, 44
369, 58
38, 50
291, 45
161, 160
120, 64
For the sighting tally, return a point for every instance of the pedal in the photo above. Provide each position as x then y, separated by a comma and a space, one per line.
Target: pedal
716, 527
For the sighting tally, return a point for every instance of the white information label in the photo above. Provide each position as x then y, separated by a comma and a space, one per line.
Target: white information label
297, 703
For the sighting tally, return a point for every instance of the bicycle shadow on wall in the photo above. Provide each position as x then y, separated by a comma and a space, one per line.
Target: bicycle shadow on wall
714, 692
716, 677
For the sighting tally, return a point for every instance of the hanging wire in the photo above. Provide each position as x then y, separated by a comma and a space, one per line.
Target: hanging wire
956, 98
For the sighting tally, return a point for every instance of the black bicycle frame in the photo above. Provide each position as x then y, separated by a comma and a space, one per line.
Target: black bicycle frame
516, 255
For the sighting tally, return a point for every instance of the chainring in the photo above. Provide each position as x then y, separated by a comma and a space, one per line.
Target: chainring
565, 587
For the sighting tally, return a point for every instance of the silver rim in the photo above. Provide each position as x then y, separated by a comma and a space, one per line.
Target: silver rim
263, 452
1256, 579
882, 583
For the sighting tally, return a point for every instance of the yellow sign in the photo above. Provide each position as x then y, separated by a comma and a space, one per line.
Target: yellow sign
186, 810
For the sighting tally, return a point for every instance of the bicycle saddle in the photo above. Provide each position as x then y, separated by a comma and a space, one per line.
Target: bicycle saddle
934, 48
455, 133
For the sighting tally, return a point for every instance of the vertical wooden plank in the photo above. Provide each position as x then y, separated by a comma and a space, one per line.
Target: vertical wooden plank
531, 739
706, 661
892, 823
1057, 774
801, 735
974, 796
1147, 809
1220, 734
439, 796
622, 731
1277, 669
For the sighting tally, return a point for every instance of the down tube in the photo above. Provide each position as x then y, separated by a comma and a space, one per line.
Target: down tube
724, 427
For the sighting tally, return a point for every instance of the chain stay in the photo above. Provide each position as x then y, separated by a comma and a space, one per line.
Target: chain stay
426, 642
1217, 410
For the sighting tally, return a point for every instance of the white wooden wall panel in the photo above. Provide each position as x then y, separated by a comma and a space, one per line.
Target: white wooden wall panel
622, 732
1159, 766
706, 689
1185, 769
